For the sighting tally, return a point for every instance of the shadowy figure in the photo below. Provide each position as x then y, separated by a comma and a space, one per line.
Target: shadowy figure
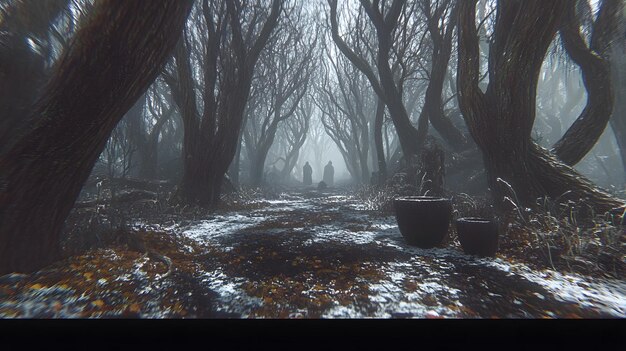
307, 173
321, 185
329, 173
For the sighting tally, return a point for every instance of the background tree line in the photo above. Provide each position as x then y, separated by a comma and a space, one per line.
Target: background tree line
212, 92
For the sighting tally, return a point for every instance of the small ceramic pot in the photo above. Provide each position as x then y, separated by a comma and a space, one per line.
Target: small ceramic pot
478, 236
423, 220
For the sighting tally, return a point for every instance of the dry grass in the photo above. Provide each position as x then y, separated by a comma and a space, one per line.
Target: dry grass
567, 236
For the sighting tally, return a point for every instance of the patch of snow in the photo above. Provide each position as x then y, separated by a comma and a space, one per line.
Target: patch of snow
334, 233
124, 277
46, 302
385, 225
232, 298
390, 297
209, 230
606, 295
281, 206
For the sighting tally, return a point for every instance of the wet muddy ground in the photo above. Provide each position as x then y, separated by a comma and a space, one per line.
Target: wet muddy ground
304, 254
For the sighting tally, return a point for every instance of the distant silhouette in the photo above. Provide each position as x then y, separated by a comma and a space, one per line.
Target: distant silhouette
307, 173
329, 173
322, 185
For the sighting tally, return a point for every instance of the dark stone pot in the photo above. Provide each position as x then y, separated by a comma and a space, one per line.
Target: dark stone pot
478, 236
423, 220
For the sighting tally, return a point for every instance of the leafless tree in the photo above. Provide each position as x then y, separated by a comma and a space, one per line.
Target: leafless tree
153, 112
440, 18
118, 152
283, 74
108, 65
595, 66
291, 137
347, 106
316, 144
618, 74
385, 20
501, 118
224, 40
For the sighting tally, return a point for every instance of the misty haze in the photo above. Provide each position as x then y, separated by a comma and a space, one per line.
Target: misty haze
312, 159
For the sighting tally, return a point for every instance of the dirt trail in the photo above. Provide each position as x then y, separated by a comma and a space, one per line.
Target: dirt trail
315, 254
310, 254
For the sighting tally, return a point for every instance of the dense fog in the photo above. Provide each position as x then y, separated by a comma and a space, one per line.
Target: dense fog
312, 159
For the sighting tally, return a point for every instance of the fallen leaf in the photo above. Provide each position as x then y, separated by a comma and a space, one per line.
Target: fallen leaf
433, 315
56, 306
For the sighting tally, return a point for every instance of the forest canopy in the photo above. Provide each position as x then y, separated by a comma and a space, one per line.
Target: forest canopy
510, 99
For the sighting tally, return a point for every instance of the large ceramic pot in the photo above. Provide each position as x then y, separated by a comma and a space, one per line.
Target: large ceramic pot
423, 220
478, 236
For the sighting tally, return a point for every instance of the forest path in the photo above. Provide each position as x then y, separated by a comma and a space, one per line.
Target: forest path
318, 254
303, 254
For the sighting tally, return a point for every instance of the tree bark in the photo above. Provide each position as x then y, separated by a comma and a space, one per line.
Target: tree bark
111, 62
378, 138
411, 139
210, 142
618, 74
596, 71
442, 49
235, 166
500, 120
22, 69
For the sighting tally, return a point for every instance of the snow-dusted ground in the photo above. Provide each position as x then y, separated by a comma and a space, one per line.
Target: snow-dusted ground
291, 245
441, 278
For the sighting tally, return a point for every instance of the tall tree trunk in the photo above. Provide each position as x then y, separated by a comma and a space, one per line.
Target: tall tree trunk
257, 166
235, 167
201, 184
618, 73
411, 139
148, 163
262, 148
211, 141
442, 49
363, 151
148, 140
136, 135
378, 138
501, 119
596, 71
290, 163
111, 62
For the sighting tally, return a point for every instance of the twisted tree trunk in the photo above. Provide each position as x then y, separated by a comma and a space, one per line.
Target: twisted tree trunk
501, 119
212, 135
110, 63
378, 138
441, 37
618, 72
596, 71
